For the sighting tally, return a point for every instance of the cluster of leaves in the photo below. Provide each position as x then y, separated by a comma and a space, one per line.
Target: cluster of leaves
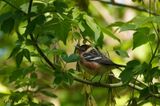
48, 26
145, 32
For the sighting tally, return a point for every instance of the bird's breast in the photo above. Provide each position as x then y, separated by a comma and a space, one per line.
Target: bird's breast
93, 67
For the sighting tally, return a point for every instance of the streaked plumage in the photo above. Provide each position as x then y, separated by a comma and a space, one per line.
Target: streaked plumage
94, 61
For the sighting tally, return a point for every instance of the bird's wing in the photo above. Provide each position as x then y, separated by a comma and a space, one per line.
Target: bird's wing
96, 56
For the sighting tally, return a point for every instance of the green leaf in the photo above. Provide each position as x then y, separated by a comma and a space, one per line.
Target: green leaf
152, 37
127, 75
27, 70
91, 23
39, 20
33, 76
127, 26
140, 37
151, 73
8, 25
140, 69
70, 58
19, 58
144, 93
60, 6
49, 93
58, 51
16, 96
58, 79
15, 51
122, 53
30, 28
58, 28
26, 54
86, 30
28, 42
115, 24
99, 42
110, 33
15, 75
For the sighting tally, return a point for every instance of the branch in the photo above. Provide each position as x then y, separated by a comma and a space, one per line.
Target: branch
13, 6
115, 85
35, 42
128, 6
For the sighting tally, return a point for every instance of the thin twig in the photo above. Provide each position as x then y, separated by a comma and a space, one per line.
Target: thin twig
157, 46
128, 6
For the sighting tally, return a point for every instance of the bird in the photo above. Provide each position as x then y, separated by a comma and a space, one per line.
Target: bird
93, 61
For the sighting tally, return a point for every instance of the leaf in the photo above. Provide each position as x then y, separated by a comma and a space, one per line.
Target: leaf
127, 26
140, 69
28, 42
19, 58
26, 54
110, 33
49, 93
144, 93
99, 42
27, 70
58, 28
60, 6
86, 30
33, 76
127, 75
151, 73
15, 51
122, 53
140, 37
15, 75
39, 20
115, 24
91, 23
8, 25
30, 28
17, 96
58, 79
70, 58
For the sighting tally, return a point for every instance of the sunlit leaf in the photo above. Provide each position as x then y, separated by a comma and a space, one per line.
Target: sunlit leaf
122, 53
140, 37
99, 42
110, 33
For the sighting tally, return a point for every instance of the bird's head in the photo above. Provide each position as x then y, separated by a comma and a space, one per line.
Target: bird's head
82, 48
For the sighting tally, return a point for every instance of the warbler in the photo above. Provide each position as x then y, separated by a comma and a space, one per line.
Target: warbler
93, 61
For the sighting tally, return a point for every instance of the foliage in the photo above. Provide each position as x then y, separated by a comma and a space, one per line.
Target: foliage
39, 34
